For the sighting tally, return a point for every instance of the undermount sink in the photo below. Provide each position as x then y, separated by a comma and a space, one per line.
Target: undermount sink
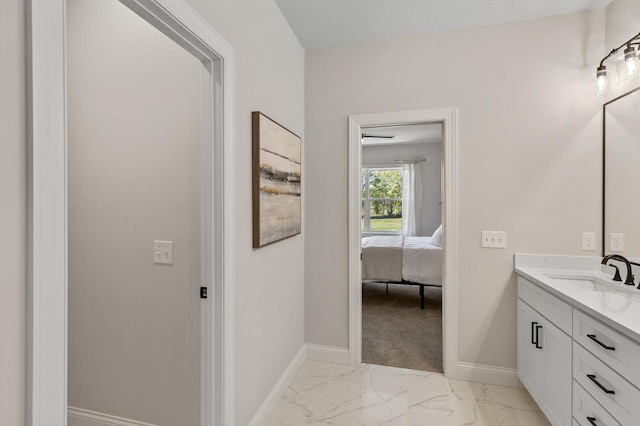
584, 282
613, 296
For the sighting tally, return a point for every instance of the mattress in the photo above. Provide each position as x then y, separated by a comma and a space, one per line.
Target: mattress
421, 261
382, 258
397, 258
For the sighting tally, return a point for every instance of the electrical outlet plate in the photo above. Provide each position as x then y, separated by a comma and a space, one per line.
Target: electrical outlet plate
588, 241
163, 252
494, 239
616, 242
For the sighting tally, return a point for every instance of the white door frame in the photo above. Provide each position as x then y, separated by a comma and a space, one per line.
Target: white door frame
47, 210
446, 116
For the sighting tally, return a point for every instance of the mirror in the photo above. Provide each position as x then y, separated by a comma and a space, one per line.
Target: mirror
621, 169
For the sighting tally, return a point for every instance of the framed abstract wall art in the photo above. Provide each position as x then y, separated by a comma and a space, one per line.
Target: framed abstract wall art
277, 177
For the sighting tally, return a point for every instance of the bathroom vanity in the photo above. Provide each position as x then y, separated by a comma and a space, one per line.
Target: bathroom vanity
578, 340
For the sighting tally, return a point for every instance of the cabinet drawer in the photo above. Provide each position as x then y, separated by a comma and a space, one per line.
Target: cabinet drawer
617, 351
585, 407
607, 387
552, 308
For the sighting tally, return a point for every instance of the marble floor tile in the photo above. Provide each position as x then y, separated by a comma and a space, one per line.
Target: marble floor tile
427, 391
373, 395
477, 393
295, 408
506, 397
358, 404
350, 374
515, 417
482, 415
312, 377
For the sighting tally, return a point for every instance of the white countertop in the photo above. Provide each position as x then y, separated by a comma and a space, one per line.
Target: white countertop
613, 303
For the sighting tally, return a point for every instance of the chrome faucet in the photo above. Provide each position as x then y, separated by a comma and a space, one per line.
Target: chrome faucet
620, 258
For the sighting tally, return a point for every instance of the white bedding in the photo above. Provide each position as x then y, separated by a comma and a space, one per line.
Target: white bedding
421, 261
396, 258
382, 258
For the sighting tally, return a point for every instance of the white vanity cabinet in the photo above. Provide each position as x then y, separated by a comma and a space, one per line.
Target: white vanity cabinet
578, 369
605, 365
544, 352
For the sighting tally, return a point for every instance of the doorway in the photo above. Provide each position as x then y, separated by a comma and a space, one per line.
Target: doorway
48, 210
134, 228
357, 125
402, 246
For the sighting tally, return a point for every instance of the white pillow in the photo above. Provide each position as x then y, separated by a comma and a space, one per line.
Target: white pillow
436, 238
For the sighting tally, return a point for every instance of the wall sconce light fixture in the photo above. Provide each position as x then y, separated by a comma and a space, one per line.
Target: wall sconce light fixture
630, 58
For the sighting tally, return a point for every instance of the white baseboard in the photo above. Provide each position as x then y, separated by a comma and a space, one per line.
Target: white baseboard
331, 354
269, 404
487, 374
81, 417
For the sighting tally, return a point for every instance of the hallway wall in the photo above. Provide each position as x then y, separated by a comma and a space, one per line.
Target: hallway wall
133, 166
13, 173
270, 280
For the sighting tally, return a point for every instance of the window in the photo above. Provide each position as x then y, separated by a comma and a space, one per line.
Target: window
382, 200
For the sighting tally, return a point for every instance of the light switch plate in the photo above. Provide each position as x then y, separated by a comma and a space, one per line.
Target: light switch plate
494, 239
588, 241
616, 242
163, 252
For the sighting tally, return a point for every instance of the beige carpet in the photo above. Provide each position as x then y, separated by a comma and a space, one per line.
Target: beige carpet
396, 332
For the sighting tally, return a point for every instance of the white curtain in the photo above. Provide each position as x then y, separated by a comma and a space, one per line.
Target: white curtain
411, 200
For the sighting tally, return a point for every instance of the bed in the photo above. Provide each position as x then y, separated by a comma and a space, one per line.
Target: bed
396, 259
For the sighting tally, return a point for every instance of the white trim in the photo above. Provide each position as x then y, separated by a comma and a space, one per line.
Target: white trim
266, 409
447, 116
47, 210
488, 374
93, 418
331, 354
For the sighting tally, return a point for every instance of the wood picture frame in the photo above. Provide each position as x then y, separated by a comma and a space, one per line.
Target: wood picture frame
277, 181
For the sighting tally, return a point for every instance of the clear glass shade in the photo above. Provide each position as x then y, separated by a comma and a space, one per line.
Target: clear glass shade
632, 67
626, 69
602, 84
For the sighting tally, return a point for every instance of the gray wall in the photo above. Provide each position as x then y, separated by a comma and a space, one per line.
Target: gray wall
528, 162
12, 213
270, 281
431, 171
134, 177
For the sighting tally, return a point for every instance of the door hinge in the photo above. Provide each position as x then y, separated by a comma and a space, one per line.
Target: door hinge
360, 256
203, 292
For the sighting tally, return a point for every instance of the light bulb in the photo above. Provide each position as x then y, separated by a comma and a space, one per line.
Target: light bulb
602, 85
602, 80
622, 76
632, 67
632, 62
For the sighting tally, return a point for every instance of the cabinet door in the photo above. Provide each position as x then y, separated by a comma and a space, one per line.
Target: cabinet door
555, 397
530, 359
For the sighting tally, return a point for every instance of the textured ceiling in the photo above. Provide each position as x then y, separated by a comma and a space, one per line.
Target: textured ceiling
328, 23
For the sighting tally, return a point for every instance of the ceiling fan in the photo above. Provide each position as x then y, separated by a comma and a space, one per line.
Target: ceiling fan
369, 136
